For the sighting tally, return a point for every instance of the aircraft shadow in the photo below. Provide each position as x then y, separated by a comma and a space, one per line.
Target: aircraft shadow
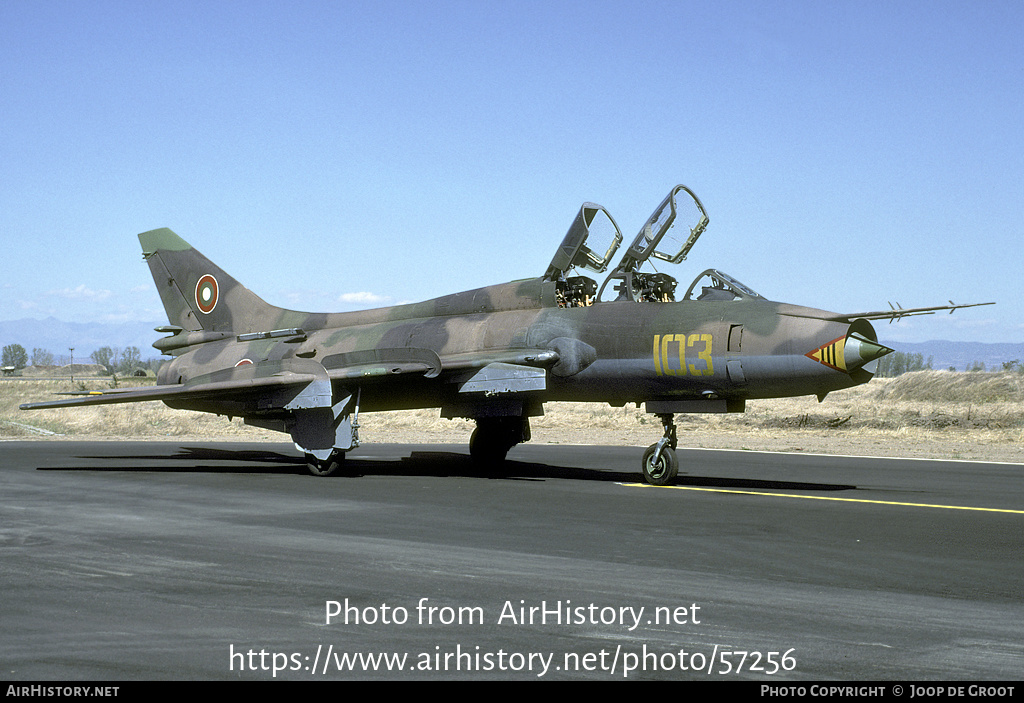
190, 460
760, 484
441, 464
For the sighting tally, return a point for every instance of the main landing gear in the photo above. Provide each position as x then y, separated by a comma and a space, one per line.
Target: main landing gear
660, 464
325, 433
494, 436
325, 467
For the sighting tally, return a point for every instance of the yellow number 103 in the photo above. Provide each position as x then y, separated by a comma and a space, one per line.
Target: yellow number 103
661, 356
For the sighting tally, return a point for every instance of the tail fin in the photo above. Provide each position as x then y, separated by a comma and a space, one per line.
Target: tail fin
196, 293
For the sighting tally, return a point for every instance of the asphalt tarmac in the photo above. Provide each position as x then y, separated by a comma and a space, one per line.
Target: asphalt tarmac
163, 560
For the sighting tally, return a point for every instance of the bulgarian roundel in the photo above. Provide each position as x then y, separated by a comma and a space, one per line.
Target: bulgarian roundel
206, 294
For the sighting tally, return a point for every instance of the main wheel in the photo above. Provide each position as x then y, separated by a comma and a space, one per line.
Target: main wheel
662, 472
325, 467
486, 449
494, 436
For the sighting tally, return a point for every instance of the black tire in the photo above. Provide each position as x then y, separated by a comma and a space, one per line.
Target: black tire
487, 450
326, 467
662, 473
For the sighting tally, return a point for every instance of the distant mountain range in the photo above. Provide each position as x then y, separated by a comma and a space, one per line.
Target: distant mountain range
86, 337
961, 355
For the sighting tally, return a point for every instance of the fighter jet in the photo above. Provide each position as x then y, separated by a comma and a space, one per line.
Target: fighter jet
497, 354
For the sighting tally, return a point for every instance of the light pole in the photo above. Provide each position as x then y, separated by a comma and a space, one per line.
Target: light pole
72, 364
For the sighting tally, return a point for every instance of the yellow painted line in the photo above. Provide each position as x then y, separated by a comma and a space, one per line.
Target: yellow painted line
844, 500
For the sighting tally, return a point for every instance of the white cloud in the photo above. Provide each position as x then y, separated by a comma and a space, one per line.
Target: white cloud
81, 293
363, 298
323, 301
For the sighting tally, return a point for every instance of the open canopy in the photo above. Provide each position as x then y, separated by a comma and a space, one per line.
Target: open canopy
657, 239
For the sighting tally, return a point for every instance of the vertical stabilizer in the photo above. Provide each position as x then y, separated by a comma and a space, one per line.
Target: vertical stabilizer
196, 293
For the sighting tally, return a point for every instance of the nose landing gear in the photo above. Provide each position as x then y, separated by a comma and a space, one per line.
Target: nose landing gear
660, 464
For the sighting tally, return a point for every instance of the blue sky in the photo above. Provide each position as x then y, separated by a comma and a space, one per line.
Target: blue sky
340, 155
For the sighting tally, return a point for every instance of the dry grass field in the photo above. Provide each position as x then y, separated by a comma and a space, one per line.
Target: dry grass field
935, 414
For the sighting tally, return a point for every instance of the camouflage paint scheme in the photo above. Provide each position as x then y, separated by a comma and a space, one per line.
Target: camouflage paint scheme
493, 354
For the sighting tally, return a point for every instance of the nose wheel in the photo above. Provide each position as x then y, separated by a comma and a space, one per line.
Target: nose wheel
660, 464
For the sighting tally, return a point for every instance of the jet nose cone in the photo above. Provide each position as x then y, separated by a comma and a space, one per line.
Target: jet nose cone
860, 351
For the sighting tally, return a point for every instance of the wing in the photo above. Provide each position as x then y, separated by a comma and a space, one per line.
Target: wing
298, 383
239, 382
894, 313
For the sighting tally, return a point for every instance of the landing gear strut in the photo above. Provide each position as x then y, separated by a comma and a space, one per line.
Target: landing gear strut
660, 464
494, 436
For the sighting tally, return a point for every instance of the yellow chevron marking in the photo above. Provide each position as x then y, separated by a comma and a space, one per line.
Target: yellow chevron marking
831, 354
